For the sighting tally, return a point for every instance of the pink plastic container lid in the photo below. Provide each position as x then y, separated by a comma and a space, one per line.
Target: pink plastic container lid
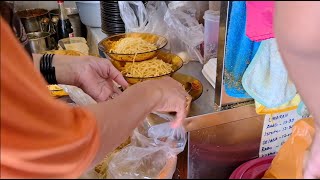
253, 169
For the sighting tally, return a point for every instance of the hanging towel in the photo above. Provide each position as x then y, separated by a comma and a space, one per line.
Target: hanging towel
266, 79
239, 51
291, 105
303, 110
259, 24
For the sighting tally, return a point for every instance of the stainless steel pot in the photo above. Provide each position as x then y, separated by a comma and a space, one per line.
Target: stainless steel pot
41, 41
35, 20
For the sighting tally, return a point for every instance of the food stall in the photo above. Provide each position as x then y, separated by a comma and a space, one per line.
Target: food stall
223, 132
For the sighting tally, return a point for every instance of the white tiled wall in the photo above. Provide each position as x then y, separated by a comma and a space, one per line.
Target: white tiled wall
49, 5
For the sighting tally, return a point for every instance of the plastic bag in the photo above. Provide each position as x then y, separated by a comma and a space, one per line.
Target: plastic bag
134, 15
288, 163
199, 6
150, 154
148, 157
138, 18
77, 95
185, 32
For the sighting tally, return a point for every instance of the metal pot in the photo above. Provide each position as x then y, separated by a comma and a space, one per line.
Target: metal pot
41, 42
35, 20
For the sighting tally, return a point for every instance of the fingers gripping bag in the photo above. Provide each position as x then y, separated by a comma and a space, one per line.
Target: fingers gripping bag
151, 153
289, 162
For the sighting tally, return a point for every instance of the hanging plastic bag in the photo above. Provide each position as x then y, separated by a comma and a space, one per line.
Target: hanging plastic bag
134, 15
288, 163
185, 32
148, 157
149, 19
156, 11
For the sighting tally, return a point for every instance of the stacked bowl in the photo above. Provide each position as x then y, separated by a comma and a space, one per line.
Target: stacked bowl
111, 22
120, 60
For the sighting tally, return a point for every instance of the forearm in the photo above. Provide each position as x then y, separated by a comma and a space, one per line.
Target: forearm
300, 49
111, 116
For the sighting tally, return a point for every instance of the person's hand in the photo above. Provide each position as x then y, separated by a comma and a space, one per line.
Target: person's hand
312, 163
93, 75
171, 97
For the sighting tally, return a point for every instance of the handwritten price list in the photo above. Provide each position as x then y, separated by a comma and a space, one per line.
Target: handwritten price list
276, 130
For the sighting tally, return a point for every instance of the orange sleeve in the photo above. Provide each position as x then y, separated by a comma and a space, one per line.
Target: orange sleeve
40, 137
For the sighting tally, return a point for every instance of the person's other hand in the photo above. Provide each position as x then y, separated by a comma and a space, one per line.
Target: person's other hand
93, 75
312, 164
172, 97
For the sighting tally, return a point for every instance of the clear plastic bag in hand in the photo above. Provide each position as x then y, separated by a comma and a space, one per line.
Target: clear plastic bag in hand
147, 156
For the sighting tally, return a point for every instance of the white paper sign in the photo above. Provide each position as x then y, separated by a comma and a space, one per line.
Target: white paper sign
276, 130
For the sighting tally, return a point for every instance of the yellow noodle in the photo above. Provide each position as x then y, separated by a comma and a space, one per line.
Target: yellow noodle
132, 45
151, 68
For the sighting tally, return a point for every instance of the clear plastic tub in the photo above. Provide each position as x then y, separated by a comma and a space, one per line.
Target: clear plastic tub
211, 34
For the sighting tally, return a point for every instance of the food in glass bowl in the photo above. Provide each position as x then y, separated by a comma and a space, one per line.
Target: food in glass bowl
132, 46
164, 64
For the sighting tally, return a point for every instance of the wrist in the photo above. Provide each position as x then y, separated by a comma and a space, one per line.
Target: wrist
47, 69
61, 71
66, 69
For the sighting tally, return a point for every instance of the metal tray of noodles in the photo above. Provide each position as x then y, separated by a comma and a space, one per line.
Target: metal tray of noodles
107, 44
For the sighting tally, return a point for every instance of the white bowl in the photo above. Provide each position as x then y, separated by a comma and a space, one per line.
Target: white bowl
89, 12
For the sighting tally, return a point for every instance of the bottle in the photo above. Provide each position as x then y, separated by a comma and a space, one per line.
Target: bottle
64, 28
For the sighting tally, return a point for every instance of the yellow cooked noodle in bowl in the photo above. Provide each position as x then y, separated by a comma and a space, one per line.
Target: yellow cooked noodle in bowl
164, 64
132, 45
150, 68
129, 46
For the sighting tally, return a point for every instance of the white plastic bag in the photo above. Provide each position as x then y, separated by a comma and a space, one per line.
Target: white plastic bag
185, 32
134, 15
148, 157
77, 95
138, 18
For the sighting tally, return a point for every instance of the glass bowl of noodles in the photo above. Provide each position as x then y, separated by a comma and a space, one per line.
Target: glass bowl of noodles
163, 64
133, 46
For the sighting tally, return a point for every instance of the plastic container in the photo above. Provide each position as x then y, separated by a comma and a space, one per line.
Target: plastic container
253, 169
89, 12
211, 34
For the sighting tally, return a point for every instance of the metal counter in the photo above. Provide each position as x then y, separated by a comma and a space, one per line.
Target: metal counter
216, 151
